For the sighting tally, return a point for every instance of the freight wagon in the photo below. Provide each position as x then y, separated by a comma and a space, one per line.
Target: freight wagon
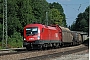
77, 38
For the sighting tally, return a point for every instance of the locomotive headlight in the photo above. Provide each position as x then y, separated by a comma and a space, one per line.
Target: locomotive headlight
24, 39
38, 37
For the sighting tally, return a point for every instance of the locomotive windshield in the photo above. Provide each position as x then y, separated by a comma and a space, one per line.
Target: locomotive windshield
31, 31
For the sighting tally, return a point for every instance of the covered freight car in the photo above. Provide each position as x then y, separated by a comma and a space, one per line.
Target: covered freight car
67, 37
77, 38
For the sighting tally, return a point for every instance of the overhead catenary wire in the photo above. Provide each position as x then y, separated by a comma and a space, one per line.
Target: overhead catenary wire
76, 7
79, 5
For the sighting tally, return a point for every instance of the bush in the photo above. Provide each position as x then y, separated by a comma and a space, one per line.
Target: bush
15, 41
0, 45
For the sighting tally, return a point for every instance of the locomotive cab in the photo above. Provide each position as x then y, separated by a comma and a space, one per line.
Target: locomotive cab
31, 34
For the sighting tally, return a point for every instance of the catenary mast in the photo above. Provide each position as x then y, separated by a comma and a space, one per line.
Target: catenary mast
4, 41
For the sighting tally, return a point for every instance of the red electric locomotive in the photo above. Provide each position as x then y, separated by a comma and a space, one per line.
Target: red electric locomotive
42, 36
38, 36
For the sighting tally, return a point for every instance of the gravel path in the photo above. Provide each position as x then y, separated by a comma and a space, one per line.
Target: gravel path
84, 55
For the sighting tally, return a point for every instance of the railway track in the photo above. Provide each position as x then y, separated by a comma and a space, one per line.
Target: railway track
46, 57
14, 51
44, 54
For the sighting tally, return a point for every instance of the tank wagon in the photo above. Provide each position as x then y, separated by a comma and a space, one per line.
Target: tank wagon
41, 36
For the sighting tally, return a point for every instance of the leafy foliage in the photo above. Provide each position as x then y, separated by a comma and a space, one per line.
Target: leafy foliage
15, 40
1, 11
57, 14
40, 7
1, 31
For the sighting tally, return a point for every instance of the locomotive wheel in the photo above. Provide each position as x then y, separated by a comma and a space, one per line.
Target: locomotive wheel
61, 45
44, 47
71, 44
28, 48
39, 47
57, 45
74, 43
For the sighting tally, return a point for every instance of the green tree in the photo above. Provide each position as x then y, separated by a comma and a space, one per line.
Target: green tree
1, 19
40, 7
72, 27
60, 14
55, 16
1, 32
1, 11
13, 21
15, 40
56, 6
24, 10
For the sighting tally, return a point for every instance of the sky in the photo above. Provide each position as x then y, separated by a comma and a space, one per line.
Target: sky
72, 8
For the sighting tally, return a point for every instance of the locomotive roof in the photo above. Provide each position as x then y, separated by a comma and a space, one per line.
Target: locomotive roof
41, 25
31, 25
